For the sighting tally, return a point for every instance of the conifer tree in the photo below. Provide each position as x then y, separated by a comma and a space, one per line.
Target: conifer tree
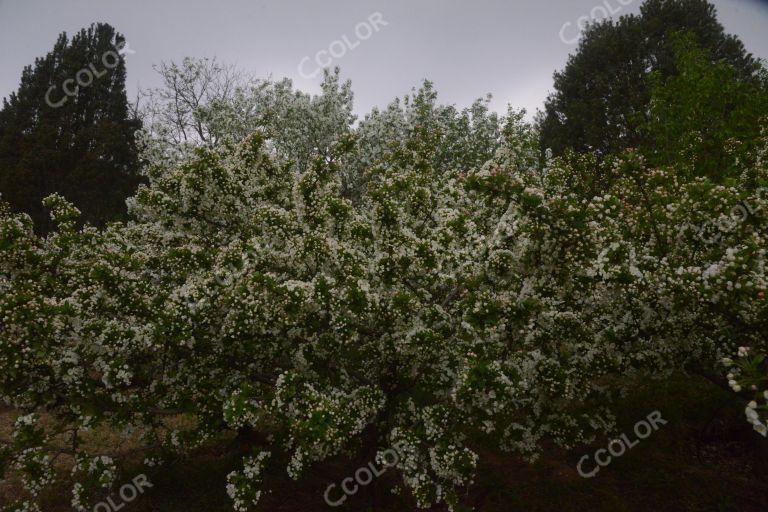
68, 129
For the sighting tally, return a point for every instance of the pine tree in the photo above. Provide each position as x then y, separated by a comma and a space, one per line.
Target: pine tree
68, 129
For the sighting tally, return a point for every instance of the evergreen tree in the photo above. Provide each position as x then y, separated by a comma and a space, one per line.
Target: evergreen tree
602, 96
68, 129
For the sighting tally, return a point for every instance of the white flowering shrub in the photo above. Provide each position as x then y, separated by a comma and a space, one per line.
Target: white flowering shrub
92, 476
243, 486
27, 455
748, 375
452, 305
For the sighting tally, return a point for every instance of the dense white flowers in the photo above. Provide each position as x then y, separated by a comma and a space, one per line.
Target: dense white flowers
451, 296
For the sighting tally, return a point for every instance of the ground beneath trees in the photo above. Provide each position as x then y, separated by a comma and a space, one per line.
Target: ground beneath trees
706, 458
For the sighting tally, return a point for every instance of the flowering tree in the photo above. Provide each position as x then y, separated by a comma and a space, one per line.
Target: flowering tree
203, 103
453, 304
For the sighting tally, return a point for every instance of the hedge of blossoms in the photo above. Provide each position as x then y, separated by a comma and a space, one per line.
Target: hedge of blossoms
448, 308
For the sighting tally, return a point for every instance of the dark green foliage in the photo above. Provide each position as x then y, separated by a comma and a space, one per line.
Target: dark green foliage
602, 96
705, 116
83, 148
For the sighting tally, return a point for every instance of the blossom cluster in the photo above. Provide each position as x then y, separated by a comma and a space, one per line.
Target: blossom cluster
747, 375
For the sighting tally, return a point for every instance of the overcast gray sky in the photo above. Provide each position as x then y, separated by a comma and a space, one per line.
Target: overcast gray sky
467, 47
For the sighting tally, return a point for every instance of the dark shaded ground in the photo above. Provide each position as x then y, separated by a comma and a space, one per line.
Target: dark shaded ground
707, 458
